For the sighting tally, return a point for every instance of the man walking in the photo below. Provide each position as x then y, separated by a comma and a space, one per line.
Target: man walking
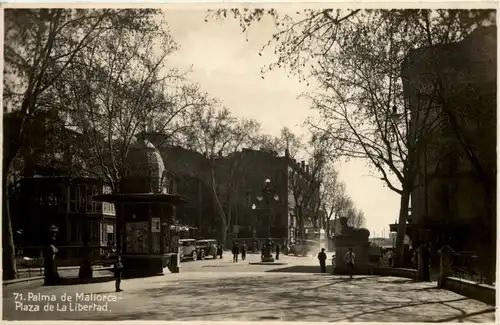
322, 260
349, 260
218, 250
277, 251
236, 252
118, 269
243, 251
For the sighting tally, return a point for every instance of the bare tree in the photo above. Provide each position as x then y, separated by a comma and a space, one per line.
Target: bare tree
355, 218
356, 57
287, 140
335, 200
39, 46
220, 136
305, 182
120, 89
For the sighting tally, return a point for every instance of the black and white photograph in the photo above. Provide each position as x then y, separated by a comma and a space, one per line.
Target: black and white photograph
286, 162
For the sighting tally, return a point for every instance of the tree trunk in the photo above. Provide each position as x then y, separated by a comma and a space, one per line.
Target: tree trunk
223, 232
403, 216
327, 234
9, 250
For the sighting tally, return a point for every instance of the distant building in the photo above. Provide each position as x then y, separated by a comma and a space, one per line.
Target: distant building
241, 177
43, 194
449, 202
190, 173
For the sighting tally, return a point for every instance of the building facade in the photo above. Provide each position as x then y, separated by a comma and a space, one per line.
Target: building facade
42, 201
241, 177
450, 200
190, 174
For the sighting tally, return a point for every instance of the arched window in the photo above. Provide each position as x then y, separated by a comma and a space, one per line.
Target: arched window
165, 183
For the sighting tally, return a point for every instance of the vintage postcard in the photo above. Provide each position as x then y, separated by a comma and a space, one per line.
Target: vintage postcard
287, 162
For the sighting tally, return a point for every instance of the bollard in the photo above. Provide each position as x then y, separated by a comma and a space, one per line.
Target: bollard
445, 265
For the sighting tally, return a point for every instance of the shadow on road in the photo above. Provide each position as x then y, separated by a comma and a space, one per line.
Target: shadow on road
302, 269
292, 298
288, 297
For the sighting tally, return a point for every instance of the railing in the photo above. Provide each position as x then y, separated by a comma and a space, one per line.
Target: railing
470, 266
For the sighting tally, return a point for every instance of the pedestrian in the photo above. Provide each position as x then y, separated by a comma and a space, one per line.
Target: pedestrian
322, 260
243, 251
389, 257
236, 252
219, 251
118, 269
349, 260
277, 251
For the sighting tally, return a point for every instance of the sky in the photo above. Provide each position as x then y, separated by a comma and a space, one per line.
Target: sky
228, 67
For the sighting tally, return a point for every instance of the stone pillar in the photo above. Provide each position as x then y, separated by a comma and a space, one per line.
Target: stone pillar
445, 264
420, 264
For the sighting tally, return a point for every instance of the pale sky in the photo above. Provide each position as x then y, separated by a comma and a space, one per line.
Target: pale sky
228, 67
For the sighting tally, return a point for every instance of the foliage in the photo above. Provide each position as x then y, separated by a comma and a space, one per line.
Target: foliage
355, 56
118, 88
287, 140
39, 45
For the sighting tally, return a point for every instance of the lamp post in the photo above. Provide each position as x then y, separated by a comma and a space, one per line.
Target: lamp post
268, 195
50, 267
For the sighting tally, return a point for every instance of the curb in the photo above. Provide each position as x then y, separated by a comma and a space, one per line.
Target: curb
38, 278
9, 282
75, 281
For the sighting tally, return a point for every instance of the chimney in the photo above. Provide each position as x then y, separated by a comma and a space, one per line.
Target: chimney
303, 165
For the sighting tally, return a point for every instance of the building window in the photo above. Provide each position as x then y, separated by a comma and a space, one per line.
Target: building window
75, 231
88, 198
248, 200
94, 231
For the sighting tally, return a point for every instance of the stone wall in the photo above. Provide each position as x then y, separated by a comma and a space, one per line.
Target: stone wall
473, 290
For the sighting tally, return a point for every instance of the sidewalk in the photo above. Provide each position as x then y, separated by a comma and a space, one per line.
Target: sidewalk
265, 296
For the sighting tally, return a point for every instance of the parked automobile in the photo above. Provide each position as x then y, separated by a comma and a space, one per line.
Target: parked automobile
208, 246
189, 250
304, 247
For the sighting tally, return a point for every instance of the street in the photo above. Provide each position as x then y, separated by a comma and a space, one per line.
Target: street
221, 290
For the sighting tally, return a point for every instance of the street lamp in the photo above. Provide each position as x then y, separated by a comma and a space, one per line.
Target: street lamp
254, 231
268, 195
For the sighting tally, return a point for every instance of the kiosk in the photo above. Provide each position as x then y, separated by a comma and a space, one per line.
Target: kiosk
145, 210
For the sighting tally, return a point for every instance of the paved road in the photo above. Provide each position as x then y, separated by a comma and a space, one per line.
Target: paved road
226, 264
220, 290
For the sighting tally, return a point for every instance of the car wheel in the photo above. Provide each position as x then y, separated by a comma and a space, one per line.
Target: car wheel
194, 256
202, 255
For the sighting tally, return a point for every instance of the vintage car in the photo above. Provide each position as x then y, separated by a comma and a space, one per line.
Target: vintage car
304, 247
208, 246
189, 250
